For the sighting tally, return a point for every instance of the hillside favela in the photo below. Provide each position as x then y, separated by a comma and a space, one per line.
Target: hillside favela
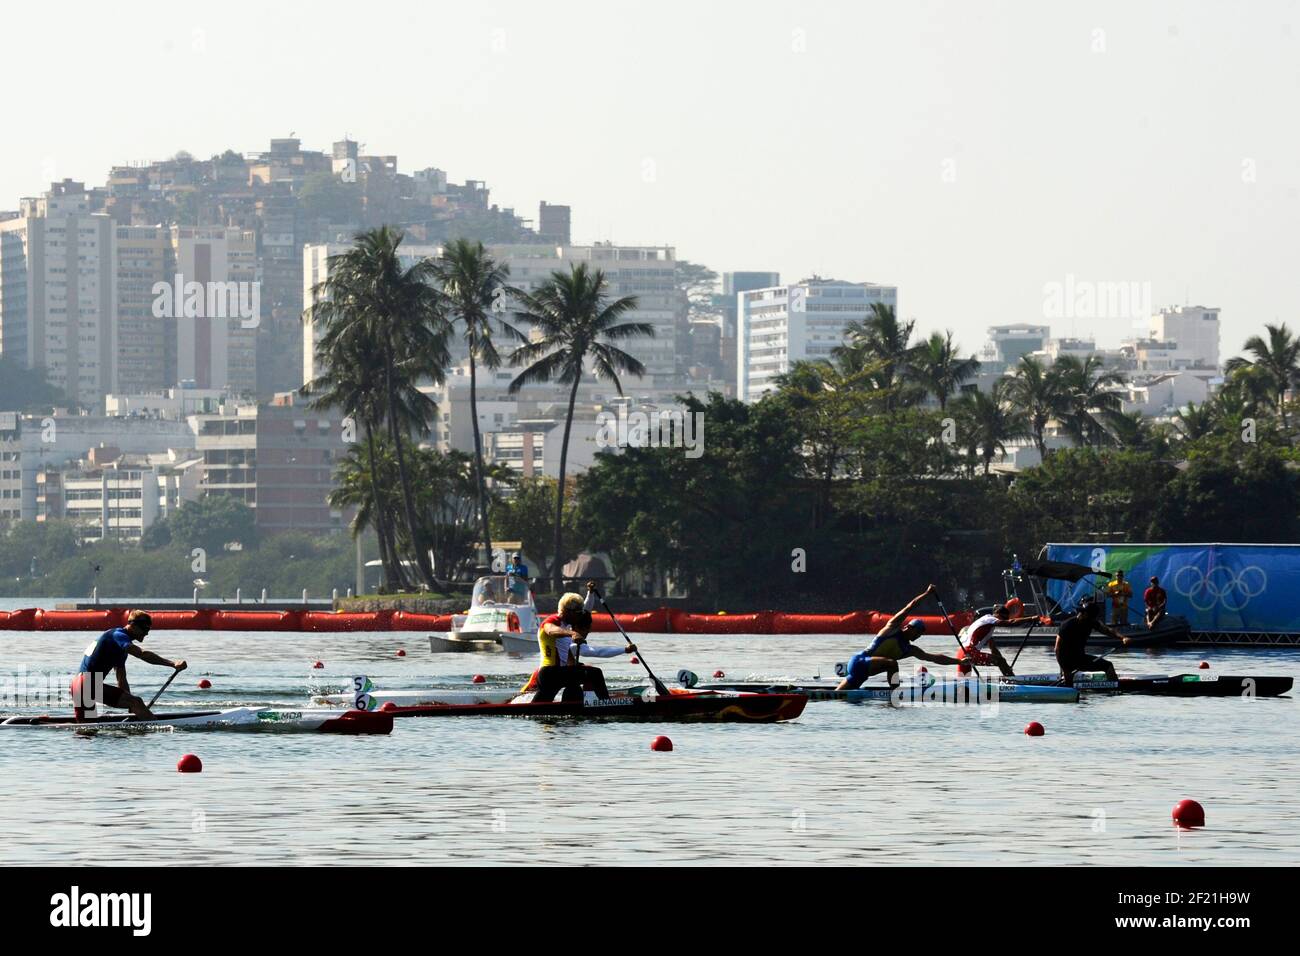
826, 458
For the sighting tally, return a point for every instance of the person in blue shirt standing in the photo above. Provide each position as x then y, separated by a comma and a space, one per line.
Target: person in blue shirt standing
107, 653
517, 575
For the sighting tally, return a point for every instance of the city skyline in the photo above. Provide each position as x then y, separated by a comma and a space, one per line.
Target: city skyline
1143, 189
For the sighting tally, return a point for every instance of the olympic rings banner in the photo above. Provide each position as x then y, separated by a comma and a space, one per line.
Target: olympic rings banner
1218, 587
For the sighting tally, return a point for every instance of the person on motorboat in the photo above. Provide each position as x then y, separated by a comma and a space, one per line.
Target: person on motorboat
1156, 600
1072, 640
892, 644
517, 575
1120, 593
107, 653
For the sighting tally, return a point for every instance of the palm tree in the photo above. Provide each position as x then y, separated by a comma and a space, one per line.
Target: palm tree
881, 339
1088, 397
1036, 391
575, 320
345, 385
475, 284
356, 486
1192, 423
936, 367
372, 304
1276, 361
988, 422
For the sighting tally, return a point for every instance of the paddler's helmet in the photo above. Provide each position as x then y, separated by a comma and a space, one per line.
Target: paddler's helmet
917, 625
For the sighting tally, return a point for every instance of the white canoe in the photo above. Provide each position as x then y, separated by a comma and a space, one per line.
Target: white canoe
420, 698
238, 718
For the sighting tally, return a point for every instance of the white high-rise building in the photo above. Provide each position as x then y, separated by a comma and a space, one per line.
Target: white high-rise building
58, 310
216, 344
781, 325
1195, 330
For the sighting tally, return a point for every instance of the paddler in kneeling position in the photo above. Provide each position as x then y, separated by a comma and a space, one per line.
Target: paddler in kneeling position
1072, 641
109, 653
892, 644
978, 646
560, 668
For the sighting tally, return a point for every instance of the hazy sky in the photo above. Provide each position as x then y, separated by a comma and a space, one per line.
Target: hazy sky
968, 152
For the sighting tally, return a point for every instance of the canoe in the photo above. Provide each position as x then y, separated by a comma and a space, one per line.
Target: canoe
239, 718
970, 691
1167, 685
423, 697
753, 708
1172, 630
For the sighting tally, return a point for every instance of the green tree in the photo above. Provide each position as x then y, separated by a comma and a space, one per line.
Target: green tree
475, 285
1087, 397
1039, 395
985, 423
883, 342
373, 302
323, 196
576, 322
1275, 364
939, 370
529, 517
213, 522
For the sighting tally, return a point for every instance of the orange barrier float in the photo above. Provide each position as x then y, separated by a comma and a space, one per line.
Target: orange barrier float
223, 620
22, 620
79, 620
412, 621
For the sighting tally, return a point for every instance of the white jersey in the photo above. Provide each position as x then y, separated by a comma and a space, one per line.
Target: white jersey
978, 632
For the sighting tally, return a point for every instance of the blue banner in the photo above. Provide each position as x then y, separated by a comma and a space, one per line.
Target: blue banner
1218, 587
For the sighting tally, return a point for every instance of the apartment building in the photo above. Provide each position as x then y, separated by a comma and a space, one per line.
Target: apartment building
779, 326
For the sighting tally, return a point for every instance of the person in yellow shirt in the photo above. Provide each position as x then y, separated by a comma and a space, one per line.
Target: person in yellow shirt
1120, 593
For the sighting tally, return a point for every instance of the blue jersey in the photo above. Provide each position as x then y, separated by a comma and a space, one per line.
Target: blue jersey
519, 570
894, 645
107, 653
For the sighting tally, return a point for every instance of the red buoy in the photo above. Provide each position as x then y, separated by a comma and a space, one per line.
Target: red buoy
388, 705
1034, 729
480, 679
189, 764
318, 666
719, 673
205, 684
1205, 665
661, 744
1189, 813
634, 659
401, 652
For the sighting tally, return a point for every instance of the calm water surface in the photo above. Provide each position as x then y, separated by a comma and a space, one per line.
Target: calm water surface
846, 783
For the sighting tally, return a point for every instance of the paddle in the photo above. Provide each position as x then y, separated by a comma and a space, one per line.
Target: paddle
660, 688
1022, 646
149, 706
162, 688
957, 637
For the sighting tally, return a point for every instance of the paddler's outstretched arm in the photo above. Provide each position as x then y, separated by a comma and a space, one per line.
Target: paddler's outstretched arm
933, 658
1111, 632
149, 657
898, 618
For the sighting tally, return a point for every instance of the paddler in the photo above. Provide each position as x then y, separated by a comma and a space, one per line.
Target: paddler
593, 678
892, 644
977, 644
107, 653
554, 674
1072, 641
